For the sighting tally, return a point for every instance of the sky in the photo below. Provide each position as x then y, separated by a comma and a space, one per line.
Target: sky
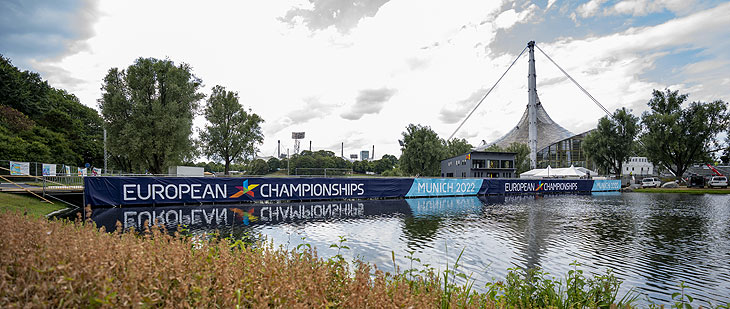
358, 72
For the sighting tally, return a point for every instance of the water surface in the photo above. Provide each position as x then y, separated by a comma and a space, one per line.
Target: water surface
651, 241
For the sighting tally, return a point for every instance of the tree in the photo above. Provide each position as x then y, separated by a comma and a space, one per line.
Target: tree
457, 146
233, 134
274, 164
612, 142
148, 111
522, 156
422, 151
258, 167
677, 137
522, 153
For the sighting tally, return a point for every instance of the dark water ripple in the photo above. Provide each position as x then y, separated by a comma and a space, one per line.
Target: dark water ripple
651, 241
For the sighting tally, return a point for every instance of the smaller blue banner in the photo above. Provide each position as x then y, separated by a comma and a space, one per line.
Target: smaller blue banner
606, 185
444, 187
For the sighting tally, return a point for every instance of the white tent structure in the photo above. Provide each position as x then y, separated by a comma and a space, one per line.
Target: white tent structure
549, 172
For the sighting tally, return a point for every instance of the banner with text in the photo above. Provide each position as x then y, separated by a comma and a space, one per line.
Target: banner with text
112, 191
518, 186
606, 185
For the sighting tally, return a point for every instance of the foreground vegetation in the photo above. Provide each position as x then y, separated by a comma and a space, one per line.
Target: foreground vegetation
23, 204
69, 264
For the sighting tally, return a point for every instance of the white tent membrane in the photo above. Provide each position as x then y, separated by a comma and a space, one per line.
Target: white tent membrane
566, 172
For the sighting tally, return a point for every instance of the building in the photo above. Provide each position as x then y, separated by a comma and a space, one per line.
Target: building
550, 144
480, 164
365, 155
638, 166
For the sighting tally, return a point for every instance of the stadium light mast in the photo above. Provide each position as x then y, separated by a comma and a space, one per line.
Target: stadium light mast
532, 106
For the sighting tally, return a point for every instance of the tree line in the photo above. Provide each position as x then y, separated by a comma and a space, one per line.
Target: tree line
41, 123
671, 134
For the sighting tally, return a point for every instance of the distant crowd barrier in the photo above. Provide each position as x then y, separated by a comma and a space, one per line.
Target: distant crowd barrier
119, 191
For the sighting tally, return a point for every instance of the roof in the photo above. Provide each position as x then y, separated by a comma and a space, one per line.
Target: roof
548, 131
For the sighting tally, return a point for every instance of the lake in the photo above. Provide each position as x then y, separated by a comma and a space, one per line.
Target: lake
651, 241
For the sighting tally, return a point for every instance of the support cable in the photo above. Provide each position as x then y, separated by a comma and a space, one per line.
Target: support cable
594, 99
576, 83
488, 92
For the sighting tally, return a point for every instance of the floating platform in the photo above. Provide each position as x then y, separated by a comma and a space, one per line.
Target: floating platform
126, 191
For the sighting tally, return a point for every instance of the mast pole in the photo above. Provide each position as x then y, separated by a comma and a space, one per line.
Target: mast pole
532, 105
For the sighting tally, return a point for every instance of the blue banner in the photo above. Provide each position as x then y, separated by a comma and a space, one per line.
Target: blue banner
444, 187
606, 185
518, 186
114, 191
117, 191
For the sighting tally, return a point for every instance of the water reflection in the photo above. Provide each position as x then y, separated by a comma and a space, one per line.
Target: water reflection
652, 241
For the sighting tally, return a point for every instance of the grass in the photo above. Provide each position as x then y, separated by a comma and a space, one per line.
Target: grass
26, 204
684, 190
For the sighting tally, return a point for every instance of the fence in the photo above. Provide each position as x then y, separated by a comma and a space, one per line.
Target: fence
326, 172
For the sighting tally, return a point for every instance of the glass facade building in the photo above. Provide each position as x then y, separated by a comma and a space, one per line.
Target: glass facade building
565, 153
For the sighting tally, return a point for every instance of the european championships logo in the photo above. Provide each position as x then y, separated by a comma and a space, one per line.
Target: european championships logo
539, 186
245, 189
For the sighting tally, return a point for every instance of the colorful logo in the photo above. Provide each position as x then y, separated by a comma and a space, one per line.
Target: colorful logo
468, 156
539, 186
245, 189
246, 216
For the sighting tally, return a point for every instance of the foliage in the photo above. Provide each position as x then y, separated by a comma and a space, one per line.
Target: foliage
233, 133
678, 137
42, 123
534, 288
274, 164
611, 143
148, 111
422, 151
161, 270
457, 146
258, 167
522, 155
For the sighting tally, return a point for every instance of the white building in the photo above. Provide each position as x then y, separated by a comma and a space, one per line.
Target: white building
638, 166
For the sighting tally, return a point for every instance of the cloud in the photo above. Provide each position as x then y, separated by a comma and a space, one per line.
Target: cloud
343, 15
369, 101
510, 17
313, 108
589, 8
45, 29
455, 112
645, 7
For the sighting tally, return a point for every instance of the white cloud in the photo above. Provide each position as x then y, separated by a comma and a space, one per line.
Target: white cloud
433, 59
590, 8
510, 17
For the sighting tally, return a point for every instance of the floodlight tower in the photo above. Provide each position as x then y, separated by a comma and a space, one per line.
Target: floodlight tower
297, 136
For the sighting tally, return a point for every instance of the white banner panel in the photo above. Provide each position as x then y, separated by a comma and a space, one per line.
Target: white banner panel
49, 170
19, 168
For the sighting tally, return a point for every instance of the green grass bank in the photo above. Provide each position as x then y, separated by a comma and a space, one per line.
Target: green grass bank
10, 202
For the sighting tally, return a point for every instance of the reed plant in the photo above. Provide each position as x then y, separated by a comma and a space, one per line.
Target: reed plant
75, 264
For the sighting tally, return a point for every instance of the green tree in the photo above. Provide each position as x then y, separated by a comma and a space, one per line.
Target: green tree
148, 111
612, 142
677, 137
233, 134
274, 164
258, 167
422, 151
522, 153
522, 156
457, 146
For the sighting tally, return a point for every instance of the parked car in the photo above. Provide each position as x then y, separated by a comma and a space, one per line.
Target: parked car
717, 181
651, 182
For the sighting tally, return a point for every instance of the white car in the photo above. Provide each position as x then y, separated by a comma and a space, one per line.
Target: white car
651, 182
717, 181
